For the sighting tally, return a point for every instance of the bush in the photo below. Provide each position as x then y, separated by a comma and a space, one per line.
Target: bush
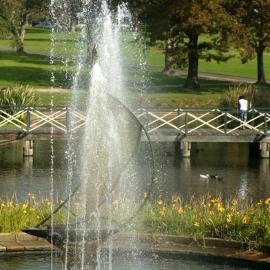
14, 98
235, 219
160, 44
230, 98
256, 97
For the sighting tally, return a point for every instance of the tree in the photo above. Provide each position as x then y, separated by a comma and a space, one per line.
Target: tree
14, 17
184, 22
253, 35
194, 18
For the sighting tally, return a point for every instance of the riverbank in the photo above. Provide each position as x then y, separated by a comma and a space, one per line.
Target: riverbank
231, 252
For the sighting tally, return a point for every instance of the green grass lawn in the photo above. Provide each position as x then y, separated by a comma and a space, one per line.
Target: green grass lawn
39, 40
233, 67
33, 70
163, 90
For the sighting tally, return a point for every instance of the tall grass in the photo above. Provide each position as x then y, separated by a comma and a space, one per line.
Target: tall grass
235, 219
256, 97
15, 215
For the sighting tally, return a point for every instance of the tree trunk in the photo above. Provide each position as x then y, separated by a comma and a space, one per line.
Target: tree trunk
20, 35
260, 67
72, 26
168, 55
20, 40
193, 61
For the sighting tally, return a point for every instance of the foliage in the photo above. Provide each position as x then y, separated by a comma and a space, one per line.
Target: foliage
230, 97
256, 97
15, 215
181, 24
16, 97
235, 219
14, 16
252, 32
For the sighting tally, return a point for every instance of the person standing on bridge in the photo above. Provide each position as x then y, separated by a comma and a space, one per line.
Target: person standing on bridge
243, 108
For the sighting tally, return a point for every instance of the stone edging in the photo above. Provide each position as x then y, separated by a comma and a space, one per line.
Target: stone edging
16, 242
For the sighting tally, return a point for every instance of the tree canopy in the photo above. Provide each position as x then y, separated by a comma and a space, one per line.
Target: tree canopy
14, 16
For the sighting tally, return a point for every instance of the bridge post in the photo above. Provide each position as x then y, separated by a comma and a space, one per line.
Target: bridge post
67, 122
28, 148
264, 150
28, 120
185, 149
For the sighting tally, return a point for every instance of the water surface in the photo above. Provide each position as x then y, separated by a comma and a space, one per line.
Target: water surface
243, 175
43, 262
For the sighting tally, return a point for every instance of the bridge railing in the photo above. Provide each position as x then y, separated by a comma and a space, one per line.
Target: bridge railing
29, 119
189, 120
184, 120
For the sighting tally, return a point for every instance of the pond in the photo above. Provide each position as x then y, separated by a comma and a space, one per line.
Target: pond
243, 175
43, 262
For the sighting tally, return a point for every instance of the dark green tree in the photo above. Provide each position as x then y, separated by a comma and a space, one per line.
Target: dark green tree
182, 22
14, 16
253, 31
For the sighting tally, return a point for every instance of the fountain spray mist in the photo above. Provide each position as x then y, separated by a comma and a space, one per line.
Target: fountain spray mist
100, 156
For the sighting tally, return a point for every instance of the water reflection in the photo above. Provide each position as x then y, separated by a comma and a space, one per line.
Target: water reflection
42, 262
243, 174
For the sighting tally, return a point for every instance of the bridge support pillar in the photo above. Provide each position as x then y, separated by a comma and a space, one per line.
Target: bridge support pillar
185, 149
28, 148
264, 150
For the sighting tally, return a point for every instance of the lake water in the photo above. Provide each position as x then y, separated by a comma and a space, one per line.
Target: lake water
243, 175
43, 262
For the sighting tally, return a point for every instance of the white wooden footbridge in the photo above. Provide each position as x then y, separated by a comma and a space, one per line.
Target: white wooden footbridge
185, 125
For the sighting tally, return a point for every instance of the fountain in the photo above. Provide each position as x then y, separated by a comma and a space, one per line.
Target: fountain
115, 169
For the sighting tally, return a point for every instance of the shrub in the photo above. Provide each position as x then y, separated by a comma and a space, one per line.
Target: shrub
235, 219
256, 97
230, 98
15, 215
160, 44
14, 98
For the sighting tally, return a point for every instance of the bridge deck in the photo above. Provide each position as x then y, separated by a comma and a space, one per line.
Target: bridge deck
161, 135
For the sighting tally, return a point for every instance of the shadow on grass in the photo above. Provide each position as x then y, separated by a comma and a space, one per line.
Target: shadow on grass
34, 59
33, 76
38, 30
162, 83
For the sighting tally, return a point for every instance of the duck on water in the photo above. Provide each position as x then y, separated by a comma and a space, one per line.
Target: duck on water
211, 177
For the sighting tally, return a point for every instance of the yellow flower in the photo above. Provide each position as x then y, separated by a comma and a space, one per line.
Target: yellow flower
175, 199
180, 210
220, 208
24, 211
267, 201
196, 224
24, 206
162, 211
160, 202
145, 195
215, 200
245, 219
260, 202
174, 206
229, 218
